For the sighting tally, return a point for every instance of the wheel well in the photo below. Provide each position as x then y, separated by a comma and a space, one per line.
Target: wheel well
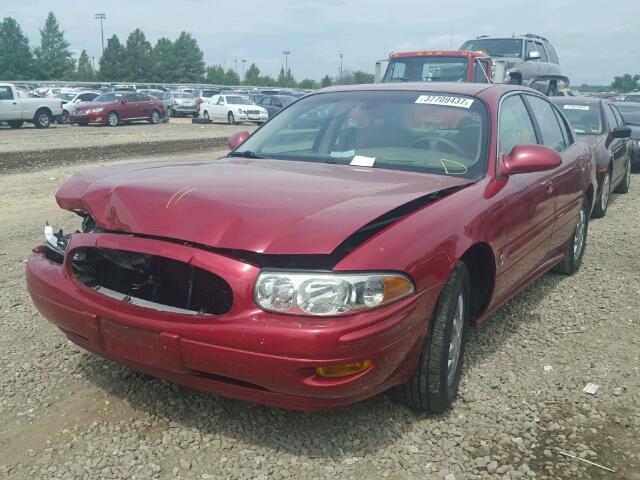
480, 263
590, 196
43, 109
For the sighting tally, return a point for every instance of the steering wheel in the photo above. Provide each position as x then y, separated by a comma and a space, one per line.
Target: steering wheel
456, 149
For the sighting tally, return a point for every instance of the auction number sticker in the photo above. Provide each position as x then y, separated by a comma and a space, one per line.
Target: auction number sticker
445, 101
575, 107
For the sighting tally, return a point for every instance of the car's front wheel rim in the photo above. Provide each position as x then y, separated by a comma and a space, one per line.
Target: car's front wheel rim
578, 237
155, 117
44, 119
606, 192
455, 344
113, 119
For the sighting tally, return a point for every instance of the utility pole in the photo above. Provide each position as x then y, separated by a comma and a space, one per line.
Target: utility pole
286, 61
101, 17
93, 63
340, 55
244, 60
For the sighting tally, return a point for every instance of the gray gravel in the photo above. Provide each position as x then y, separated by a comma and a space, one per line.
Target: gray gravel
65, 413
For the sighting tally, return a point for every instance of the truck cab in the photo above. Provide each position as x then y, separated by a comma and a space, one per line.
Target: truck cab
439, 66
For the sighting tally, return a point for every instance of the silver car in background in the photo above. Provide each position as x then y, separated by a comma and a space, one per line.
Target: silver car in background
184, 105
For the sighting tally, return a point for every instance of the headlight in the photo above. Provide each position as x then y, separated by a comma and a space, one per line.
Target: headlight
97, 110
240, 111
328, 293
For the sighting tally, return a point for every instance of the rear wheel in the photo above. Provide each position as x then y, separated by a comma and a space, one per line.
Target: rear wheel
602, 203
15, 123
113, 119
64, 118
434, 384
623, 186
231, 119
154, 119
42, 119
570, 264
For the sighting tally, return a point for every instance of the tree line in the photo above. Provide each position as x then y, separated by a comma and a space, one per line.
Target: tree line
136, 60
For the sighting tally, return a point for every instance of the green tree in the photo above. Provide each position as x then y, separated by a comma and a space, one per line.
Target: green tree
231, 77
189, 59
307, 84
363, 77
252, 75
85, 71
285, 79
215, 75
267, 81
165, 62
326, 81
138, 57
53, 58
16, 59
625, 83
113, 62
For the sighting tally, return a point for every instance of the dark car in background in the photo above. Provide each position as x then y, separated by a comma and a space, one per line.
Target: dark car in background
274, 103
114, 108
630, 112
600, 125
632, 97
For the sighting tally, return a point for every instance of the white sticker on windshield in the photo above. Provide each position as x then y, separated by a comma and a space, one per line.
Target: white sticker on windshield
362, 161
576, 107
445, 101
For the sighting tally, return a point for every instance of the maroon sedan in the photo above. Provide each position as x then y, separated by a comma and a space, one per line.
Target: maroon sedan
114, 108
343, 249
598, 123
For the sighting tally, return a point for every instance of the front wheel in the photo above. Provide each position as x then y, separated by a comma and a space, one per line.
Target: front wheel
205, 115
42, 119
154, 119
113, 119
570, 264
602, 203
15, 123
623, 186
434, 384
231, 119
64, 118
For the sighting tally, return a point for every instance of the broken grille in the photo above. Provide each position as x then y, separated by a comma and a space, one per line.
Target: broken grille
152, 281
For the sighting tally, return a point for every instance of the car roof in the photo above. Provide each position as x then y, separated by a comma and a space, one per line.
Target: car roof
471, 89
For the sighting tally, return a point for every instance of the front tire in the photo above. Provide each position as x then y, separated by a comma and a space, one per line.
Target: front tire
623, 186
572, 260
603, 199
434, 384
42, 119
64, 118
231, 119
205, 115
113, 119
15, 123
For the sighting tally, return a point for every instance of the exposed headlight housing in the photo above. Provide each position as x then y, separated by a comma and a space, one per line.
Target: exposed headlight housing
328, 294
240, 111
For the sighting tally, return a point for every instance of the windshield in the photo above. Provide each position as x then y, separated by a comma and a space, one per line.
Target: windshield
630, 113
427, 69
585, 119
234, 100
444, 134
495, 47
108, 97
67, 97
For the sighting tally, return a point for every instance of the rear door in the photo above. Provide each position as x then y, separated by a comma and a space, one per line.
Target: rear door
130, 107
10, 106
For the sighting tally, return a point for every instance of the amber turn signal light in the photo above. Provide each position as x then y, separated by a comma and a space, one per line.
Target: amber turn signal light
336, 371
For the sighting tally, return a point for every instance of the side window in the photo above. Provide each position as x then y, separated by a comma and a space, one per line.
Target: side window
85, 97
130, 97
543, 54
479, 72
276, 103
6, 93
265, 101
221, 100
530, 48
616, 113
547, 120
514, 124
553, 56
566, 129
611, 119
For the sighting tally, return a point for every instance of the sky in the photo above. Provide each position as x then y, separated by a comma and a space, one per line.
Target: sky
594, 39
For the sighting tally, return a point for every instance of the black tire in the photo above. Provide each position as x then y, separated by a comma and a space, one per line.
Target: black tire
205, 115
625, 183
64, 118
83, 124
602, 201
113, 119
42, 118
572, 260
15, 123
552, 90
231, 119
434, 384
154, 118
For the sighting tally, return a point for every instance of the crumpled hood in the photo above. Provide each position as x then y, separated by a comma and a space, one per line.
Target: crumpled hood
264, 206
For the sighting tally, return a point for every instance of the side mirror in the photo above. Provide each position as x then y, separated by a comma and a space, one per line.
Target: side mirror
621, 132
237, 139
535, 55
530, 158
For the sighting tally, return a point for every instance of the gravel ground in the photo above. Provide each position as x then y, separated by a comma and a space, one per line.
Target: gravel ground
65, 413
22, 149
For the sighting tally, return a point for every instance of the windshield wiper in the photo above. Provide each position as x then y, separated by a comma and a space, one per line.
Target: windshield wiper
245, 154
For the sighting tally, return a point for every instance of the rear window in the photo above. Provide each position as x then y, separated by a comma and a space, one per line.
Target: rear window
584, 118
495, 47
109, 97
427, 69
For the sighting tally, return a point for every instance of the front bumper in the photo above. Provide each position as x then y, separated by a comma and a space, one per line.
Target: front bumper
184, 109
88, 117
246, 354
251, 118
